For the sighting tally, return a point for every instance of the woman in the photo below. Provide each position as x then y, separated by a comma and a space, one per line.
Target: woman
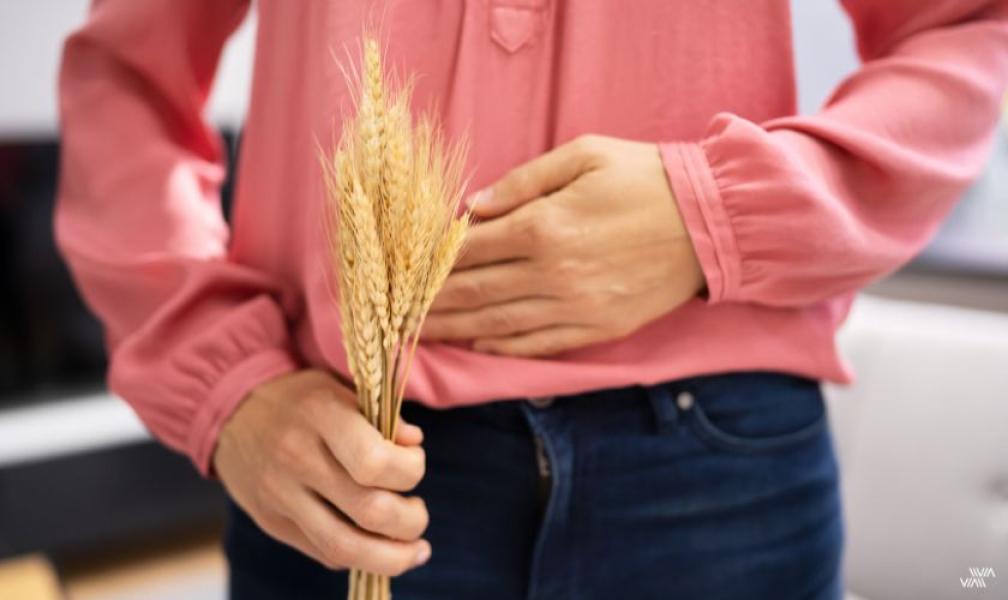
618, 388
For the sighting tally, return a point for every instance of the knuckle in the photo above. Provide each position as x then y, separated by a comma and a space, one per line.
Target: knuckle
288, 447
374, 511
535, 232
567, 270
339, 550
498, 320
471, 290
313, 403
585, 144
371, 463
520, 181
564, 234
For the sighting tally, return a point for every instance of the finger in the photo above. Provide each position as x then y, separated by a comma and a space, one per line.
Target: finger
343, 544
492, 242
376, 510
538, 177
528, 231
542, 342
286, 531
482, 286
506, 319
370, 459
408, 434
328, 386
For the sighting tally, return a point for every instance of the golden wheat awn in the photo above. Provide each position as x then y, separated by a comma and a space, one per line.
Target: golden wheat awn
393, 189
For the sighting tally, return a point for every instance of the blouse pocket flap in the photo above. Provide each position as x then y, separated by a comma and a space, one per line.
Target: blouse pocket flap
515, 24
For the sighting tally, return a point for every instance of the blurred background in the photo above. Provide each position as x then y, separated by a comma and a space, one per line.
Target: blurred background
91, 507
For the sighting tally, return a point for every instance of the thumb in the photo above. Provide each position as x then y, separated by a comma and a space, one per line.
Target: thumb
540, 176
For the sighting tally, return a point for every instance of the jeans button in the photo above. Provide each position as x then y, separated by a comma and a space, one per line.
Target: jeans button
684, 400
542, 401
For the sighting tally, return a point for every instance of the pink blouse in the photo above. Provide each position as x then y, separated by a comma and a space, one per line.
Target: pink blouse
790, 215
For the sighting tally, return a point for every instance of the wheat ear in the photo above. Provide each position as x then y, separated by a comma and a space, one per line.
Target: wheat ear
392, 190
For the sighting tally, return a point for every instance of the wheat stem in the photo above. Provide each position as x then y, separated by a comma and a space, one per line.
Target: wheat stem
392, 192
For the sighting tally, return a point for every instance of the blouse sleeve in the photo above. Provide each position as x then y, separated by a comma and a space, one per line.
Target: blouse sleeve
188, 331
800, 209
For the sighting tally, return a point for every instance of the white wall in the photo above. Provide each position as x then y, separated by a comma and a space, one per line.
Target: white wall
31, 32
824, 50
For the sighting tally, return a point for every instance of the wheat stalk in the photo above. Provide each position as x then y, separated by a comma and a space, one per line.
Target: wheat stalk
393, 233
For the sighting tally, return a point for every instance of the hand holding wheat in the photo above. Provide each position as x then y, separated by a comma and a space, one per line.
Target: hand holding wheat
314, 474
393, 191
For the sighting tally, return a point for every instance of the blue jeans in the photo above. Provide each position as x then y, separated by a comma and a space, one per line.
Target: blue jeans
716, 487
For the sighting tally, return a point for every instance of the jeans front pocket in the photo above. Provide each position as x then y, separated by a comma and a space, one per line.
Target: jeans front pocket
752, 412
515, 24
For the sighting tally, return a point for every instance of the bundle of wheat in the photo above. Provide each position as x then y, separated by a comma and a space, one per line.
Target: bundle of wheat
393, 192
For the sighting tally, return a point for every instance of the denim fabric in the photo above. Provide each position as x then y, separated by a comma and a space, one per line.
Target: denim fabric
715, 487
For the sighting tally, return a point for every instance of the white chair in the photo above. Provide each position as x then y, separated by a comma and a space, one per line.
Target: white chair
922, 438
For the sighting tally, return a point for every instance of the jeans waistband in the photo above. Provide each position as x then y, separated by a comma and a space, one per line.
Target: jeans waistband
660, 398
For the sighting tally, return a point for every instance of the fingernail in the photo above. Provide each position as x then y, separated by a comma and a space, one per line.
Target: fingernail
423, 555
479, 197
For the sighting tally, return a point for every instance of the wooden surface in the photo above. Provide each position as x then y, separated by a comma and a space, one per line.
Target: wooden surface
29, 578
190, 568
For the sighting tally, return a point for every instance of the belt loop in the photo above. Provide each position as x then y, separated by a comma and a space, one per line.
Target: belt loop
663, 405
